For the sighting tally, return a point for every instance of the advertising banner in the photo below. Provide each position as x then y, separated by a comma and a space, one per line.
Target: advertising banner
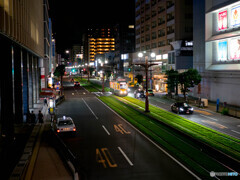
235, 16
234, 48
222, 50
222, 20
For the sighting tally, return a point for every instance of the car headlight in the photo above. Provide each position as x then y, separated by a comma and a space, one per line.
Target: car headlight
129, 90
121, 92
181, 109
191, 109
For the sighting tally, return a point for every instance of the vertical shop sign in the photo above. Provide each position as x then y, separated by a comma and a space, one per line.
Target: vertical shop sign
235, 16
222, 50
222, 20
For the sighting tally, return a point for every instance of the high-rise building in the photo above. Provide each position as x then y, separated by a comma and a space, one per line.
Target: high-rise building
100, 39
217, 49
164, 27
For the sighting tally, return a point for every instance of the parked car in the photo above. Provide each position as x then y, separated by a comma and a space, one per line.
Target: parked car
139, 93
76, 83
150, 92
182, 108
65, 125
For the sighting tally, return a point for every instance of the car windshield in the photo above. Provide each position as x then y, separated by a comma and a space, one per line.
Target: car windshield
183, 104
66, 122
123, 86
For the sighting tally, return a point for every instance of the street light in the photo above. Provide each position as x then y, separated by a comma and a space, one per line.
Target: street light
146, 65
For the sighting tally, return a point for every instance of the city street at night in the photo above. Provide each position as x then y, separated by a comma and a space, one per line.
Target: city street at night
120, 90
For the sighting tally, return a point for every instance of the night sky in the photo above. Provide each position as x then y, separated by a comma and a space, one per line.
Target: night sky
71, 18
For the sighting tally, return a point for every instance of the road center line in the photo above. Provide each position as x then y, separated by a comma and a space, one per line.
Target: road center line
90, 109
208, 117
235, 131
106, 130
128, 160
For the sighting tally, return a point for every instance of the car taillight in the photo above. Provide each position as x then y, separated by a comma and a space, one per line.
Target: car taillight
74, 129
58, 130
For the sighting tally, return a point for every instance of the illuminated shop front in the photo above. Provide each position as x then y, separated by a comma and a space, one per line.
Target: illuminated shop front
223, 38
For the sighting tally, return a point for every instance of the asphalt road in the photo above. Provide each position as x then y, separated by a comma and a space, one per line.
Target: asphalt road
107, 147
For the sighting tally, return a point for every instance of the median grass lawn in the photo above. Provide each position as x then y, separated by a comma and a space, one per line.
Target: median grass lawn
179, 146
90, 86
220, 141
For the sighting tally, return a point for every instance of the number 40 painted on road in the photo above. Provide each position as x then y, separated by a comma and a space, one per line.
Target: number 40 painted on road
119, 128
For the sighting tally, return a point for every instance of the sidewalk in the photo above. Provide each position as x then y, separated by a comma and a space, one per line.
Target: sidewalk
233, 111
39, 159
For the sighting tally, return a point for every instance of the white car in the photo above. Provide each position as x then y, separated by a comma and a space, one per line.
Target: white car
65, 124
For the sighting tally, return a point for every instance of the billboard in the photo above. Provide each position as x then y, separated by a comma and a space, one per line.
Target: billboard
222, 20
234, 48
235, 16
222, 50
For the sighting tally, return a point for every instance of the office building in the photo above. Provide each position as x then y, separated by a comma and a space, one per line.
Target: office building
22, 53
163, 27
217, 49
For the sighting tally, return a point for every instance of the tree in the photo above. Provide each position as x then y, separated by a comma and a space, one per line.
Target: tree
188, 79
59, 72
172, 81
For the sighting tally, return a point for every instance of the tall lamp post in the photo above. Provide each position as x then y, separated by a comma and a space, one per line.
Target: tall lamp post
146, 66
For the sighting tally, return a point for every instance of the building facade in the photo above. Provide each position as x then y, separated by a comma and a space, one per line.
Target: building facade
159, 25
217, 49
22, 53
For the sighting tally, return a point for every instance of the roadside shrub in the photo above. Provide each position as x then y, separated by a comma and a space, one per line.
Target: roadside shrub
224, 111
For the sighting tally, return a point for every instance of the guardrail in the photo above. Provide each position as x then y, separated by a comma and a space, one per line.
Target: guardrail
69, 158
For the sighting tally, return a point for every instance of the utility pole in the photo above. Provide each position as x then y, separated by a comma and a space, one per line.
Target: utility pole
146, 98
103, 82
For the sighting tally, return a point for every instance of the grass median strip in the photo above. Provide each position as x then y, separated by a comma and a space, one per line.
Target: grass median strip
179, 146
220, 141
90, 86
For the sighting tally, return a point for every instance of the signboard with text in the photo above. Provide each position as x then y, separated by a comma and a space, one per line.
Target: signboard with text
234, 48
222, 50
235, 16
222, 20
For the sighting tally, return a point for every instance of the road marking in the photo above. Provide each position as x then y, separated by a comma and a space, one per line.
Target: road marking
159, 101
203, 112
128, 160
208, 117
165, 152
119, 128
235, 131
104, 153
214, 124
106, 130
90, 109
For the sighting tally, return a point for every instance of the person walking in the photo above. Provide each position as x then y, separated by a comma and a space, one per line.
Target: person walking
33, 117
40, 117
45, 101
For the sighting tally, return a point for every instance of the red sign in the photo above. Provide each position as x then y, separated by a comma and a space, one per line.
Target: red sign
222, 20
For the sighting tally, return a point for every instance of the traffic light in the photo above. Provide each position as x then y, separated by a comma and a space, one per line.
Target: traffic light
129, 69
84, 69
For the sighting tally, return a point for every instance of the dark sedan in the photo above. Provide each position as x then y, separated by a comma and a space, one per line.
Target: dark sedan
181, 108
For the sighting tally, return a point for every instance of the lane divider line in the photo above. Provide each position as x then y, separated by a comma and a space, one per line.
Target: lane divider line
208, 117
235, 131
165, 152
106, 130
90, 109
128, 160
